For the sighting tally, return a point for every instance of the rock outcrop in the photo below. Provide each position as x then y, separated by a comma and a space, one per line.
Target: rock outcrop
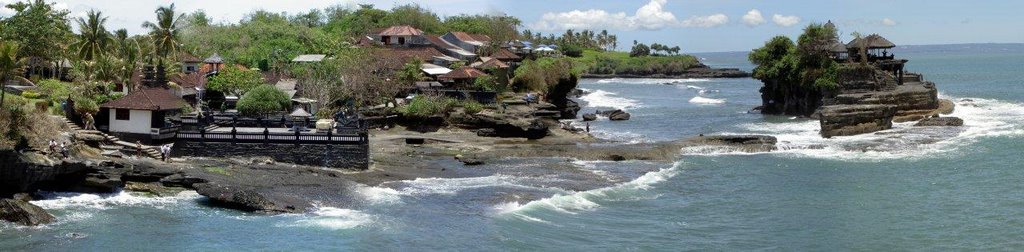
22, 212
941, 121
589, 117
615, 115
846, 120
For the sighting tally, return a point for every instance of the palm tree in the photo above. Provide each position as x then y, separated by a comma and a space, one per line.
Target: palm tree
165, 31
94, 37
10, 66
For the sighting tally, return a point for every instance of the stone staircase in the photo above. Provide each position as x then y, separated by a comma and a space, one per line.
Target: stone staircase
151, 151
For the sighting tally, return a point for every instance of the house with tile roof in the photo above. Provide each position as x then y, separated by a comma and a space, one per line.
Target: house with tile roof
399, 35
141, 115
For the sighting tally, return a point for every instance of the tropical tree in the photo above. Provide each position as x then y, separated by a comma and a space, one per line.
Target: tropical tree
263, 100
411, 72
10, 66
166, 31
235, 80
37, 28
93, 37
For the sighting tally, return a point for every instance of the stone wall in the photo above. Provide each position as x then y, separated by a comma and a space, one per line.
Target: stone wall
334, 156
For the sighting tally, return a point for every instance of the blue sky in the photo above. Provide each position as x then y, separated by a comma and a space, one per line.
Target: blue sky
694, 25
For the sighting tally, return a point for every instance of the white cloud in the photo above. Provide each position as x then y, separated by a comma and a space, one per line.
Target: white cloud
753, 18
651, 16
706, 21
785, 21
888, 22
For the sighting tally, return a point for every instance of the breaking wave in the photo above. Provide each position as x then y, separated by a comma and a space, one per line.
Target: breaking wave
983, 118
706, 101
64, 200
605, 99
334, 219
573, 203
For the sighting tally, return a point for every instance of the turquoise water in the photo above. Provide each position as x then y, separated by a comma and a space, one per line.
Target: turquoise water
905, 189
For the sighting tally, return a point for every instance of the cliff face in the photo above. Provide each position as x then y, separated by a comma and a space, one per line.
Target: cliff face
779, 99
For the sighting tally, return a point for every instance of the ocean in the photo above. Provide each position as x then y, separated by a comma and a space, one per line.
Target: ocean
903, 189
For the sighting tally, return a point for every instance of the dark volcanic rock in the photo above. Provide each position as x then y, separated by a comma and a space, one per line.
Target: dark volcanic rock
620, 116
941, 121
746, 143
469, 161
615, 115
23, 213
505, 125
589, 117
848, 120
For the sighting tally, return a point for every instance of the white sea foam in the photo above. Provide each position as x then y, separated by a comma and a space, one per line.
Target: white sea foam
982, 118
619, 136
706, 101
335, 219
379, 195
605, 99
426, 186
646, 81
105, 201
588, 200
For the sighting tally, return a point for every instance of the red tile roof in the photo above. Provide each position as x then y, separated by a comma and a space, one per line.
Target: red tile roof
405, 55
192, 80
400, 30
464, 73
505, 55
152, 99
493, 63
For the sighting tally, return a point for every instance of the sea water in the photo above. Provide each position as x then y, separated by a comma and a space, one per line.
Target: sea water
903, 189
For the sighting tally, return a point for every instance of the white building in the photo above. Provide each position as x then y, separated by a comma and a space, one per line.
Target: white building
141, 115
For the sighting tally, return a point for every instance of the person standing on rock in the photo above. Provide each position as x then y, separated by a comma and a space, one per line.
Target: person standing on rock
53, 146
138, 148
163, 153
64, 150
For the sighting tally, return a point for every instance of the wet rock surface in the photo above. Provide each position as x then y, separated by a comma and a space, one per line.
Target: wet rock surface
941, 121
847, 120
22, 212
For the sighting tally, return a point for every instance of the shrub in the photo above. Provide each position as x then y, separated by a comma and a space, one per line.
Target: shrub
426, 106
56, 90
83, 106
42, 106
487, 83
472, 107
263, 100
31, 95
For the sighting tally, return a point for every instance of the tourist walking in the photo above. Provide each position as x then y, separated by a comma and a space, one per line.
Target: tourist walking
90, 123
64, 150
53, 146
163, 153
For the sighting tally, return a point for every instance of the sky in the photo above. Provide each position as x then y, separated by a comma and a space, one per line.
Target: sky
694, 25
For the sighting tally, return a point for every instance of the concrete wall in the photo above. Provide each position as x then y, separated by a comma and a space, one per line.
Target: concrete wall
334, 156
140, 122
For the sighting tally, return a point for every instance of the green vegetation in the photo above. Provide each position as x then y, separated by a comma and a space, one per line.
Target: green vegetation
263, 100
487, 83
22, 125
543, 74
424, 106
805, 64
595, 62
234, 80
217, 170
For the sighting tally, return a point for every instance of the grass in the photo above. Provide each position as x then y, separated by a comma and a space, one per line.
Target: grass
217, 170
596, 62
